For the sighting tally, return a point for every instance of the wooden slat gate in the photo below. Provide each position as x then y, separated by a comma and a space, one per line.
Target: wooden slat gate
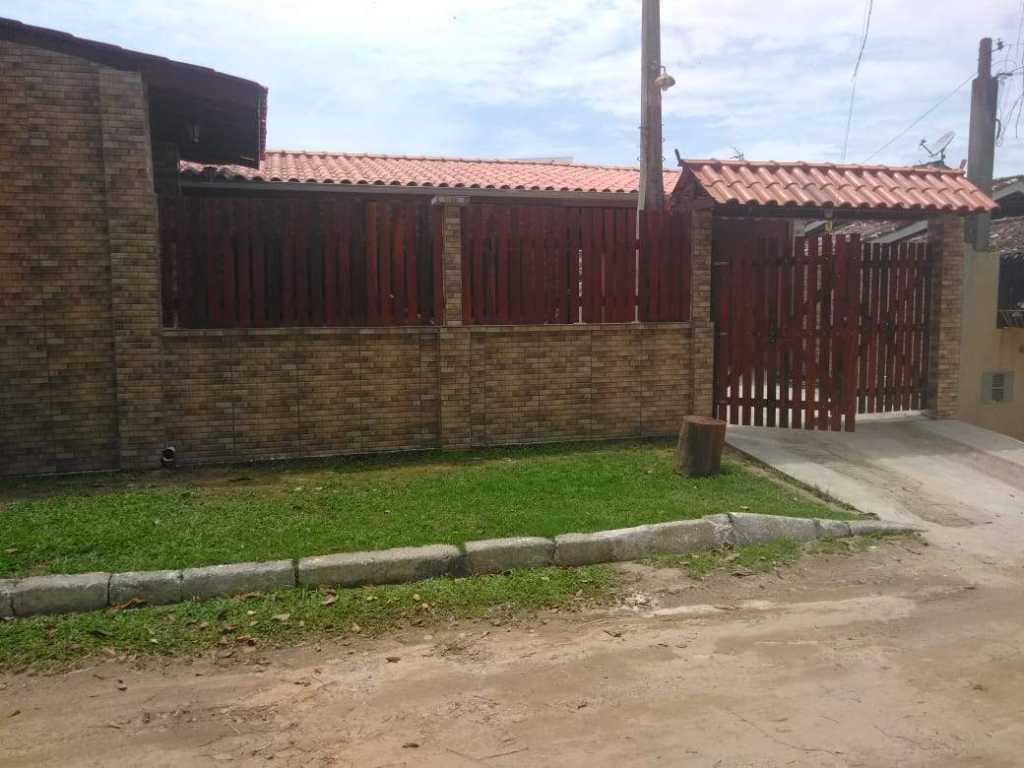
811, 331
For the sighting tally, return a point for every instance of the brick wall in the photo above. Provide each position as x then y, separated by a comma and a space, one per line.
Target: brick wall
946, 233
284, 393
58, 401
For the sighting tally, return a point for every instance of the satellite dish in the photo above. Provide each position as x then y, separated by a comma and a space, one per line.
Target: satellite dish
938, 149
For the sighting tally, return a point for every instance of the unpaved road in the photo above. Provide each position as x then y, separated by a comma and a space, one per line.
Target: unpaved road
905, 655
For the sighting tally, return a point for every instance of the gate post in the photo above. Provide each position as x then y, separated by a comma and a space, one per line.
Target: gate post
946, 238
702, 330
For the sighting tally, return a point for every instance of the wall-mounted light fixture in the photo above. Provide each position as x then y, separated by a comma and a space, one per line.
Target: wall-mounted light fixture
664, 80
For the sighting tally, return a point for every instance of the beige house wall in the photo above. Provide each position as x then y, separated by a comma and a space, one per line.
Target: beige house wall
986, 348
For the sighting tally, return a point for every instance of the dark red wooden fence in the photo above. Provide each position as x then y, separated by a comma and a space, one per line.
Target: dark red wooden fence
548, 264
895, 297
812, 331
248, 261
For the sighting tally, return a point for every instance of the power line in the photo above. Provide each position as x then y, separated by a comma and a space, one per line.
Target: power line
931, 109
856, 69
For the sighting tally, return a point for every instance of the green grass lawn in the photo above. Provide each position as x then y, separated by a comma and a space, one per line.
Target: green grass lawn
228, 514
292, 615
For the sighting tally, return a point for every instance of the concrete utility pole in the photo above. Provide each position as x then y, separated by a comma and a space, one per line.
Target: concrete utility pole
652, 185
982, 142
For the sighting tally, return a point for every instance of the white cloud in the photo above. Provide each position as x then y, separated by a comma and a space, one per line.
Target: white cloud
541, 77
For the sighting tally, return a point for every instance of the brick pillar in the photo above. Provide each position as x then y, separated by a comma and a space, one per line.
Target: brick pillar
702, 342
946, 235
452, 265
455, 342
134, 266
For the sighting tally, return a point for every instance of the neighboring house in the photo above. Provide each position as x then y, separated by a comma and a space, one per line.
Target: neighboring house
992, 352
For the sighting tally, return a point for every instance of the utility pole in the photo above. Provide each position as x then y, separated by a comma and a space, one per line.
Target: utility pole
982, 141
652, 185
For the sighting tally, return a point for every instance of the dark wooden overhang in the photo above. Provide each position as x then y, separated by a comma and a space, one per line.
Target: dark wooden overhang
211, 117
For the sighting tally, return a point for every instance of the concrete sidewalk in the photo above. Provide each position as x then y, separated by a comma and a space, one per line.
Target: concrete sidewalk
965, 485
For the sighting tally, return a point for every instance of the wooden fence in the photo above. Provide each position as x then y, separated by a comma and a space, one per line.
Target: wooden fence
812, 331
895, 310
248, 261
547, 264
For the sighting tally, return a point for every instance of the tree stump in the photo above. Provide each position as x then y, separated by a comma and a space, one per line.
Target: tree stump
700, 446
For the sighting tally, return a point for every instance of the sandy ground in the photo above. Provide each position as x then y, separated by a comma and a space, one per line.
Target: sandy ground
907, 655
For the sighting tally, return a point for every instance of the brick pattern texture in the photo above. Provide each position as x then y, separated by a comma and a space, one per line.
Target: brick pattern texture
946, 234
235, 395
58, 401
285, 393
702, 345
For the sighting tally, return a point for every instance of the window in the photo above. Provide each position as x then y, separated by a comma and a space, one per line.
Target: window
1011, 291
997, 387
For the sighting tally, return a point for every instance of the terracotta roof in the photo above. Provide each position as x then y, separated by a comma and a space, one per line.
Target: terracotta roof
442, 172
837, 186
1007, 236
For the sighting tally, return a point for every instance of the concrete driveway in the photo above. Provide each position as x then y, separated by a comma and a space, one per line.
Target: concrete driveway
964, 485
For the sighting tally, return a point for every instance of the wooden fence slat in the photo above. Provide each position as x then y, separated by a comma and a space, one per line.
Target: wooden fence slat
329, 254
342, 233
504, 278
398, 243
185, 232
811, 315
851, 321
373, 308
303, 308
773, 305
437, 259
797, 335
244, 262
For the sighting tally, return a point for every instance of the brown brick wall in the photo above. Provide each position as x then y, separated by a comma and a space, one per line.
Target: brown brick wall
58, 403
946, 233
702, 346
285, 393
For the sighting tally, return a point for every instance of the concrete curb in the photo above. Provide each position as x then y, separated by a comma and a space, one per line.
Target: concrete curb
93, 591
386, 566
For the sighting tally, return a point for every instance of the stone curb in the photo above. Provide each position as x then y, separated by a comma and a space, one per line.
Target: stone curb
236, 579
498, 555
93, 591
386, 566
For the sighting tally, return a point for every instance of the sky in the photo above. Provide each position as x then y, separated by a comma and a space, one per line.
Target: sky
560, 78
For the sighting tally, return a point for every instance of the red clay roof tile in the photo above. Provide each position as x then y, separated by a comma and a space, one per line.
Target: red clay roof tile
743, 182
442, 172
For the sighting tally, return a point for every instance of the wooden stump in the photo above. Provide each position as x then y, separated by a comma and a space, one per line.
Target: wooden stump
700, 446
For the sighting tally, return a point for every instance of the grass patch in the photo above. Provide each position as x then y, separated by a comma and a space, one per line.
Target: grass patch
756, 558
231, 514
290, 616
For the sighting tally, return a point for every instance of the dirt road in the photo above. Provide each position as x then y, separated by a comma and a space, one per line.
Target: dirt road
903, 655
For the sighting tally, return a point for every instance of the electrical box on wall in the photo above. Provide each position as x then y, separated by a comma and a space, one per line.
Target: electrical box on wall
997, 387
